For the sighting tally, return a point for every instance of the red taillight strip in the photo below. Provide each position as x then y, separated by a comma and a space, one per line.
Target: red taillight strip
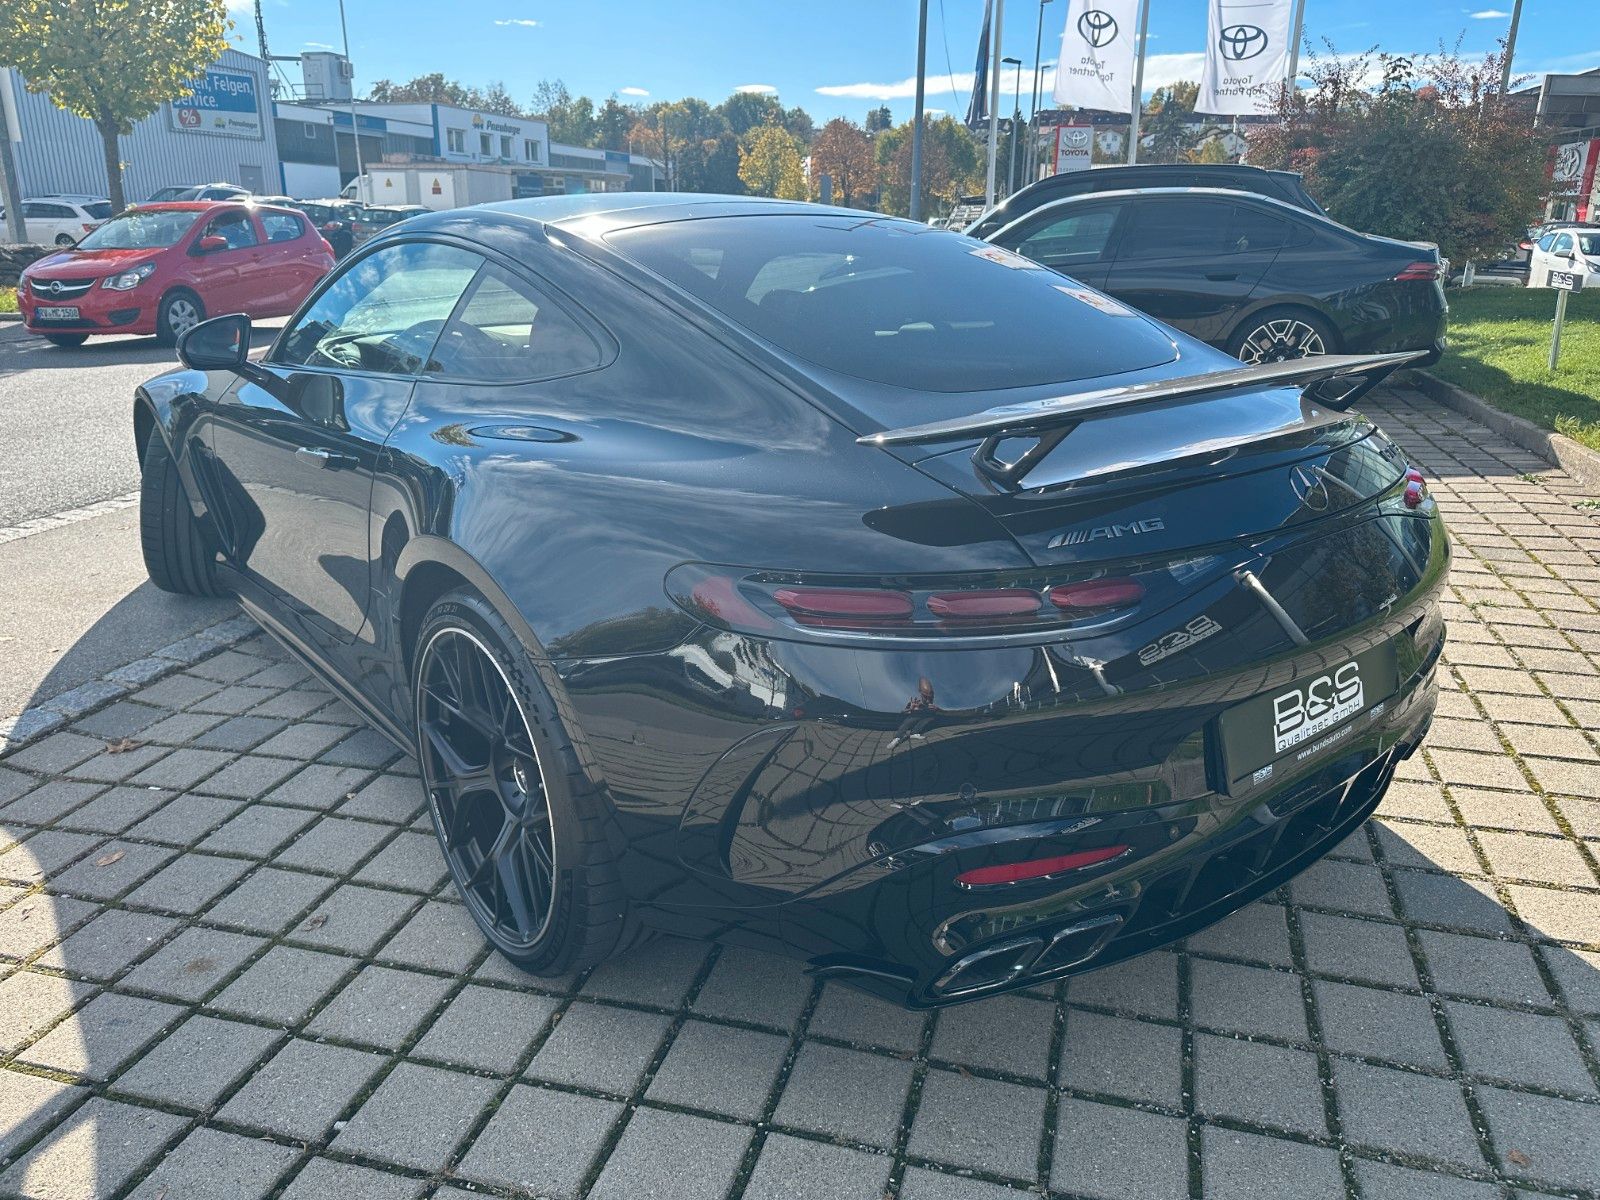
854, 604
991, 602
1097, 593
1420, 271
1039, 868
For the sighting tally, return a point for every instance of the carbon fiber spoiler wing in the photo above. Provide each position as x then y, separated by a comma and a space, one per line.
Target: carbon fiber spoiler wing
1041, 416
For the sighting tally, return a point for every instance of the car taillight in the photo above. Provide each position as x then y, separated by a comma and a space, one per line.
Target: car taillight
1039, 868
1002, 604
1416, 488
88, 226
1421, 271
332, 226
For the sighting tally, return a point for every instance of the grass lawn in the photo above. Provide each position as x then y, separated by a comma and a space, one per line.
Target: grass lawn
1499, 348
8, 299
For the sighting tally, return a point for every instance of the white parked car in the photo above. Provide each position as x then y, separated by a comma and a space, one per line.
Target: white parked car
1575, 248
62, 220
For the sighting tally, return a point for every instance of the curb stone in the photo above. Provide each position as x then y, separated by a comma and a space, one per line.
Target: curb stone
49, 715
1576, 459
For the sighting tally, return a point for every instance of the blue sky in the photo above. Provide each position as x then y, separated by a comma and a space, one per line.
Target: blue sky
833, 57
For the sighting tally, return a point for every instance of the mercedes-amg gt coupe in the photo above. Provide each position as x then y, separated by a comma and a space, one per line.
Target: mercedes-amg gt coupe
812, 580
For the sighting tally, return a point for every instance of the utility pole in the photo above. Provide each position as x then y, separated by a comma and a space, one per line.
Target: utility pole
1138, 84
1297, 24
916, 116
1511, 47
994, 101
10, 189
355, 123
1033, 104
1016, 120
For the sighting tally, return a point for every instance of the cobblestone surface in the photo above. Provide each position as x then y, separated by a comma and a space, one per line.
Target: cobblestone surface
230, 965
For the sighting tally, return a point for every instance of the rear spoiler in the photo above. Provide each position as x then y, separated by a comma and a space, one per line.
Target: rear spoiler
1040, 416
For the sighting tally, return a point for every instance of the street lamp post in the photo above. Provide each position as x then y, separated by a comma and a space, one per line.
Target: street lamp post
916, 116
1033, 105
355, 124
1511, 48
1016, 119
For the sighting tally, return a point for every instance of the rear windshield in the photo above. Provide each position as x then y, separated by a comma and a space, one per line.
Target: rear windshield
897, 303
100, 210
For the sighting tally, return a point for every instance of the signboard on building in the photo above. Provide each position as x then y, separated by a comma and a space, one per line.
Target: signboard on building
1074, 148
225, 103
1572, 175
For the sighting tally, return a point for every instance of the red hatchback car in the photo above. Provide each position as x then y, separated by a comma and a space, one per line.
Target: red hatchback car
164, 268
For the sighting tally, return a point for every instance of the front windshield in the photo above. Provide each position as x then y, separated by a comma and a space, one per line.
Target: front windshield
140, 229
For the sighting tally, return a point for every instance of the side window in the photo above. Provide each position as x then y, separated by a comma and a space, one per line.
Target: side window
233, 227
1254, 231
507, 330
1075, 239
1164, 230
34, 210
383, 312
456, 140
281, 227
1562, 244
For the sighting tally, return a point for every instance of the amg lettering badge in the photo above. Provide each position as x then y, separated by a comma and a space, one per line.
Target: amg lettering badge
1077, 537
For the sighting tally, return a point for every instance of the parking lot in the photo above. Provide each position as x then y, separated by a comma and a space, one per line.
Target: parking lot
231, 964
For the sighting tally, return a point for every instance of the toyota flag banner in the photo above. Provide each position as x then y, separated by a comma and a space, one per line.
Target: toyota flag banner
1247, 56
1095, 69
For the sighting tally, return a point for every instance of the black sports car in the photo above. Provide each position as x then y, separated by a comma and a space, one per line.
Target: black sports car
812, 580
1259, 278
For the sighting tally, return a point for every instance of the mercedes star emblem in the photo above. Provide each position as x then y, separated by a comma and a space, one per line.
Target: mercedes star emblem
1308, 485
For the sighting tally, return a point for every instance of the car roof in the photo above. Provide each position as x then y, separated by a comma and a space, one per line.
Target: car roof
602, 212
81, 197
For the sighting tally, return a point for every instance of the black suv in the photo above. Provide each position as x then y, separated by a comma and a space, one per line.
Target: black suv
1278, 185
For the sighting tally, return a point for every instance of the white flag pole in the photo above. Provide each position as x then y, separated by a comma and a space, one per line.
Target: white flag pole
1297, 25
1138, 83
994, 100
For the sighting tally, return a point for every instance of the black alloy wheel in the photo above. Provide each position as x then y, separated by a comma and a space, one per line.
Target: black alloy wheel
1280, 337
486, 789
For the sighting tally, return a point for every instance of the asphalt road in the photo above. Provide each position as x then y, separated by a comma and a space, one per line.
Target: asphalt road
65, 414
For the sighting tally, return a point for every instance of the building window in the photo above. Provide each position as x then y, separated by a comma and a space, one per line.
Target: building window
530, 149
505, 146
311, 131
484, 144
456, 140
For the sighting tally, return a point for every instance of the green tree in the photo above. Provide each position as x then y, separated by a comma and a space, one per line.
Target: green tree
879, 119
1212, 150
1434, 152
613, 123
744, 111
112, 62
1166, 131
770, 165
435, 88
571, 119
952, 166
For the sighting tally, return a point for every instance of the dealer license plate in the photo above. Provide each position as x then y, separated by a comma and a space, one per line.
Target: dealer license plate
1310, 715
57, 313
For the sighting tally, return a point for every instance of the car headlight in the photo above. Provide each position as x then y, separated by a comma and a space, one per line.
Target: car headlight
129, 280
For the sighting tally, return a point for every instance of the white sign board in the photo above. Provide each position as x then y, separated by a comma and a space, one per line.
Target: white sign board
1074, 148
1247, 56
1566, 281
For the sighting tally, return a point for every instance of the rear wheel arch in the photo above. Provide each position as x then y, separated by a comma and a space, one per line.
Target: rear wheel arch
1276, 309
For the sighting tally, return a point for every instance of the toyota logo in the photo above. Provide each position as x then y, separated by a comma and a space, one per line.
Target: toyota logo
1308, 486
1239, 42
1097, 27
1077, 137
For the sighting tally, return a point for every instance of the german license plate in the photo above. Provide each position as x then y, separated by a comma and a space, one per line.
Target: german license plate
1301, 719
57, 313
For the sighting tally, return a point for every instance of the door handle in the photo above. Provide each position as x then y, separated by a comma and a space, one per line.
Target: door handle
323, 460
1222, 276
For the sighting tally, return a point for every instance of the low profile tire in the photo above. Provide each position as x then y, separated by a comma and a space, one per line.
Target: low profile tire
180, 311
67, 341
175, 551
523, 832
1281, 334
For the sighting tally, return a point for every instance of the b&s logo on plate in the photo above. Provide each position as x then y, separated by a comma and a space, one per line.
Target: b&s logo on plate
1303, 712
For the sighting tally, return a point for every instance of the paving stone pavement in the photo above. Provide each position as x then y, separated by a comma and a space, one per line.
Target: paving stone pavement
231, 967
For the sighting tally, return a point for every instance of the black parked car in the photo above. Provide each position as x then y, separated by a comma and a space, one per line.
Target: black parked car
1277, 185
811, 580
334, 219
1261, 279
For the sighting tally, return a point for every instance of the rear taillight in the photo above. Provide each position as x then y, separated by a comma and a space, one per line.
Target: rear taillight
332, 227
1421, 271
1039, 868
1416, 488
88, 226
933, 607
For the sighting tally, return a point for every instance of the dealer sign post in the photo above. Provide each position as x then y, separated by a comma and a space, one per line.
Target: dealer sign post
1565, 283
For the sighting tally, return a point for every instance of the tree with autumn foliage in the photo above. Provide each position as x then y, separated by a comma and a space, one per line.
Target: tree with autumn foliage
843, 151
112, 62
952, 165
770, 164
1413, 147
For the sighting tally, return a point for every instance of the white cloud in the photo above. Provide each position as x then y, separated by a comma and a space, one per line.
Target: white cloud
633, 91
757, 89
1489, 14
522, 21
317, 46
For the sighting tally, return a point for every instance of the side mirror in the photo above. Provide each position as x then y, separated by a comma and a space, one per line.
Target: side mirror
211, 244
220, 344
